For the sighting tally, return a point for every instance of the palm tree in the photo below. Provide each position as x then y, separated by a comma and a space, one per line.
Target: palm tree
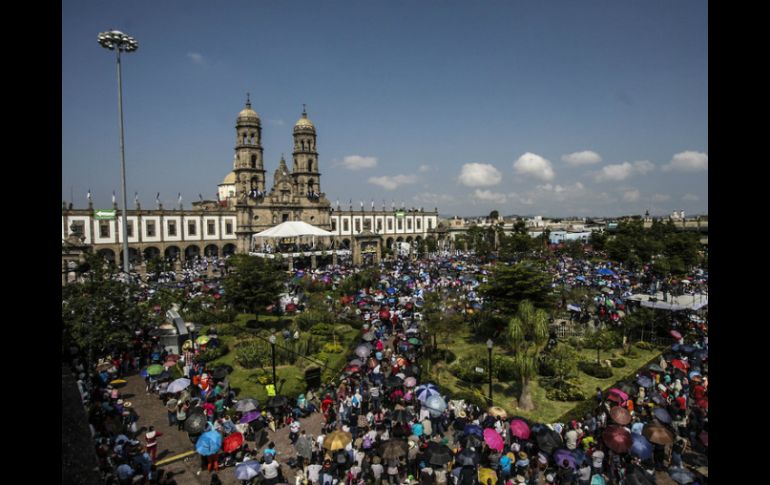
527, 335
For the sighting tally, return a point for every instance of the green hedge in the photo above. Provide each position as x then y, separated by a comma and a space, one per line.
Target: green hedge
645, 345
212, 354
565, 392
595, 370
618, 363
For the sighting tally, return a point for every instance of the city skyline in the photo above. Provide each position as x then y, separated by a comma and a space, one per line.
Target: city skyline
557, 110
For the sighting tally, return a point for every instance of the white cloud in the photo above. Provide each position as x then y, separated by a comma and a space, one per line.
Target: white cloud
631, 195
690, 198
392, 183
621, 171
489, 196
479, 175
586, 157
534, 166
357, 162
424, 168
196, 58
688, 161
661, 198
433, 199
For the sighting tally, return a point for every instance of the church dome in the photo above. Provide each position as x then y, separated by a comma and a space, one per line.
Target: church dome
229, 179
304, 124
248, 114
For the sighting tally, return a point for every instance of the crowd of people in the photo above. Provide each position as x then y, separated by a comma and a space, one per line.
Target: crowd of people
384, 423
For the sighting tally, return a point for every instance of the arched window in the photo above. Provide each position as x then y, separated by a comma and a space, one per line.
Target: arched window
253, 161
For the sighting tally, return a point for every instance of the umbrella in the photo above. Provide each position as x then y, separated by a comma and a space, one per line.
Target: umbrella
401, 416
564, 454
425, 391
246, 405
393, 449
618, 439
620, 415
202, 340
497, 411
644, 381
436, 405
681, 475
680, 364
520, 429
676, 334
467, 457
637, 476
249, 417
245, 471
357, 362
393, 381
658, 434
629, 389
363, 351
694, 374
352, 369
493, 439
470, 429
118, 382
209, 443
641, 447
368, 336
195, 423
606, 290
617, 392
337, 440
178, 385
277, 402
155, 369
410, 381
657, 398
415, 341
655, 368
438, 454
232, 442
662, 415
548, 439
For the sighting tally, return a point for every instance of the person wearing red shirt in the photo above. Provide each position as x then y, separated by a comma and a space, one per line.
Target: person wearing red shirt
151, 439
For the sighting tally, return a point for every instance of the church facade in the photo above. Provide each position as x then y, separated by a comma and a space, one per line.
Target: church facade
245, 207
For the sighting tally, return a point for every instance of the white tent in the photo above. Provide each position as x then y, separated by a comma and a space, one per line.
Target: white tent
291, 229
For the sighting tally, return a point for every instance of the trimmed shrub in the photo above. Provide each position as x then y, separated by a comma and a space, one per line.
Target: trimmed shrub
565, 392
306, 320
644, 345
502, 368
471, 397
618, 363
212, 354
595, 370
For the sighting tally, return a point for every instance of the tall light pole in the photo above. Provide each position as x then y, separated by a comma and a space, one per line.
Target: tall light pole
272, 344
118, 41
489, 348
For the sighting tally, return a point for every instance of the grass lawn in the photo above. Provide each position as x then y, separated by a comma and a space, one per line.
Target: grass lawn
506, 394
291, 378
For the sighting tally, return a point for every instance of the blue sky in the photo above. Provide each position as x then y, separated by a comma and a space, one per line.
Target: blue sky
556, 108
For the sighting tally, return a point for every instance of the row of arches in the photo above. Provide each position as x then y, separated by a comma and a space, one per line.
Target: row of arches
169, 253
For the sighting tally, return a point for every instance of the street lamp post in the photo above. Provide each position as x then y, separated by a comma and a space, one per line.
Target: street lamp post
118, 41
489, 348
272, 344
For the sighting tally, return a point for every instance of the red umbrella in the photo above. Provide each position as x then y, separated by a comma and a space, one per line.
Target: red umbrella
384, 315
617, 438
619, 393
680, 364
520, 429
675, 334
352, 369
232, 442
620, 415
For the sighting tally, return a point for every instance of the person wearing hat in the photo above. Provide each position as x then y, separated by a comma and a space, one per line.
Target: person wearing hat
270, 470
522, 463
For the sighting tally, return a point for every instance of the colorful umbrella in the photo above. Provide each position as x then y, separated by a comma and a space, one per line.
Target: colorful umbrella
178, 385
475, 429
410, 381
249, 417
155, 369
118, 382
644, 381
614, 394
337, 440
662, 415
640, 448
680, 364
493, 439
564, 454
232, 442
497, 411
435, 404
676, 334
209, 443
363, 351
618, 439
520, 429
246, 471
202, 340
246, 405
425, 391
415, 341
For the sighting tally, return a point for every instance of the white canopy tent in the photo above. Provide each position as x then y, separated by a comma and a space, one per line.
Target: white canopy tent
672, 303
297, 230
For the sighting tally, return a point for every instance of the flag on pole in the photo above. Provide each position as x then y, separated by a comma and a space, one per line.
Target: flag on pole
89, 195
179, 200
362, 205
200, 196
157, 199
113, 196
136, 198
338, 204
372, 204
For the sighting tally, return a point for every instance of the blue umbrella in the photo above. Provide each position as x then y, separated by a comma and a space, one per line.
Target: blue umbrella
605, 272
641, 447
143, 373
687, 349
209, 443
473, 429
581, 278
247, 470
436, 405
694, 373
644, 381
662, 415
178, 385
391, 291
425, 391
563, 454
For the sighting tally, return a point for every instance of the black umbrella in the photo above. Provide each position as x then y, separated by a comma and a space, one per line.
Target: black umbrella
637, 476
467, 457
165, 376
277, 402
655, 368
393, 381
393, 449
401, 416
195, 423
658, 399
548, 440
438, 454
662, 415
412, 370
473, 441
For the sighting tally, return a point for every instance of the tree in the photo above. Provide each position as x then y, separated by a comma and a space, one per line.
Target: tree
602, 340
527, 335
254, 284
436, 318
510, 285
100, 313
494, 215
563, 360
